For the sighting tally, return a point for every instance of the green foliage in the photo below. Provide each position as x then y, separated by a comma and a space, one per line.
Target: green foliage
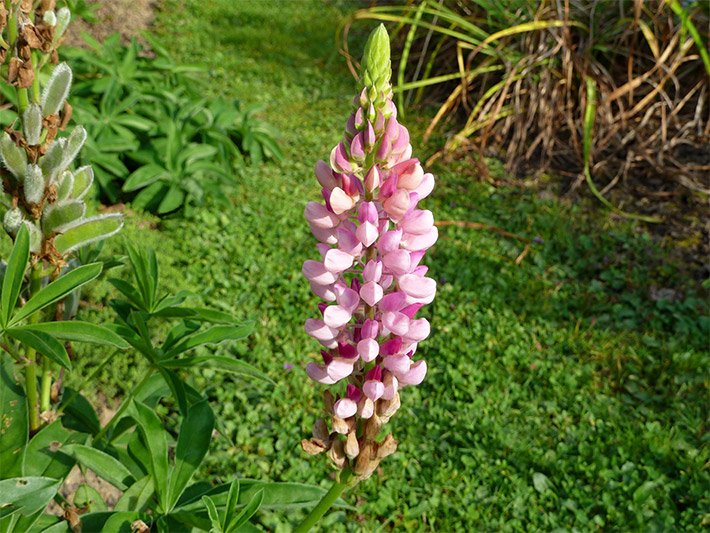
154, 140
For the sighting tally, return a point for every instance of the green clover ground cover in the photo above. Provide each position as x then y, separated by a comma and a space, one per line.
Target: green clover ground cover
559, 395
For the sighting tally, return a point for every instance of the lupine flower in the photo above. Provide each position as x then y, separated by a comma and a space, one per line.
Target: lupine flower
372, 238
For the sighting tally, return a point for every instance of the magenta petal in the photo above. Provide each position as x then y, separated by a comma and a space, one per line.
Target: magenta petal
411, 310
391, 347
372, 179
399, 364
337, 260
393, 301
336, 317
397, 262
357, 147
373, 389
415, 375
369, 135
370, 329
345, 408
368, 349
397, 323
371, 293
319, 374
367, 212
316, 272
339, 159
348, 241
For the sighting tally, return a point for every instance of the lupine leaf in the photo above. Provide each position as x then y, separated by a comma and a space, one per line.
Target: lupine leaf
137, 495
219, 362
26, 495
106, 466
44, 454
156, 440
13, 420
14, 273
213, 335
77, 331
43, 343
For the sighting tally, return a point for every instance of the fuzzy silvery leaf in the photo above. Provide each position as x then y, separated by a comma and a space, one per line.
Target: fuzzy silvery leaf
33, 184
50, 18
83, 178
61, 215
12, 220
88, 231
66, 185
35, 236
63, 18
32, 124
57, 89
13, 157
74, 143
51, 162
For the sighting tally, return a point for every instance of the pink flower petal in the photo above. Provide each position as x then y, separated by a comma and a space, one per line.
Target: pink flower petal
368, 349
418, 222
339, 159
397, 262
345, 408
399, 364
418, 329
393, 301
391, 386
373, 389
319, 216
415, 375
316, 272
325, 176
324, 292
324, 235
411, 178
372, 271
348, 241
337, 261
319, 374
319, 330
348, 299
340, 201
426, 186
417, 287
389, 241
336, 317
371, 293
367, 233
372, 179
421, 242
396, 205
370, 329
367, 408
339, 368
397, 323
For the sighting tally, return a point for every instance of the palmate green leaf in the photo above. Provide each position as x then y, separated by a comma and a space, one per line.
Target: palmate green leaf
213, 514
88, 231
44, 456
57, 290
143, 177
230, 507
111, 521
13, 420
213, 335
172, 200
218, 362
192, 445
87, 497
247, 512
177, 387
43, 343
106, 466
14, 273
156, 440
77, 331
26, 495
79, 414
145, 270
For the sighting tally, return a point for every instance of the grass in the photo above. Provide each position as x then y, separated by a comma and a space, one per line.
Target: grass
562, 393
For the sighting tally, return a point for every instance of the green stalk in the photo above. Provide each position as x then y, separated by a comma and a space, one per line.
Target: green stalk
46, 388
326, 502
35, 82
31, 365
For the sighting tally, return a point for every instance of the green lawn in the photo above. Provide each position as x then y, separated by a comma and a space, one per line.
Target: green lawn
560, 393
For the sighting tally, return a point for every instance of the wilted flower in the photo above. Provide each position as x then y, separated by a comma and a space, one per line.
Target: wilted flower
372, 241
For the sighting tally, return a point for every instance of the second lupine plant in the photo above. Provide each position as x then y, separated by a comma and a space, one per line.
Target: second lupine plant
372, 238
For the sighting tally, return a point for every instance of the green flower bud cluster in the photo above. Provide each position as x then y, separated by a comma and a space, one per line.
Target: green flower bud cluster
40, 188
377, 70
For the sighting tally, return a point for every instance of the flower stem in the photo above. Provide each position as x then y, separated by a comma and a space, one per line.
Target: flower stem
45, 396
326, 502
31, 391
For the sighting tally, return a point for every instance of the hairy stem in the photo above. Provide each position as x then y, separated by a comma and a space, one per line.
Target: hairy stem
326, 502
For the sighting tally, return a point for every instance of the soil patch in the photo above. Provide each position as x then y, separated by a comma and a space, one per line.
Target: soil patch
126, 17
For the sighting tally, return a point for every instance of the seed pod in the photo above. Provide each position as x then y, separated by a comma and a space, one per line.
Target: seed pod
337, 454
51, 162
56, 90
83, 178
74, 144
60, 215
312, 447
66, 186
12, 220
339, 425
387, 447
32, 124
320, 430
13, 157
63, 18
33, 184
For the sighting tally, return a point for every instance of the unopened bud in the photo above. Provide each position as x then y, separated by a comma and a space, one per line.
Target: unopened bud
12, 220
33, 184
63, 18
50, 18
13, 157
56, 90
32, 124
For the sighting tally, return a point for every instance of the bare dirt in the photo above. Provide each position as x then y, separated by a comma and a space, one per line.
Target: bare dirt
127, 17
